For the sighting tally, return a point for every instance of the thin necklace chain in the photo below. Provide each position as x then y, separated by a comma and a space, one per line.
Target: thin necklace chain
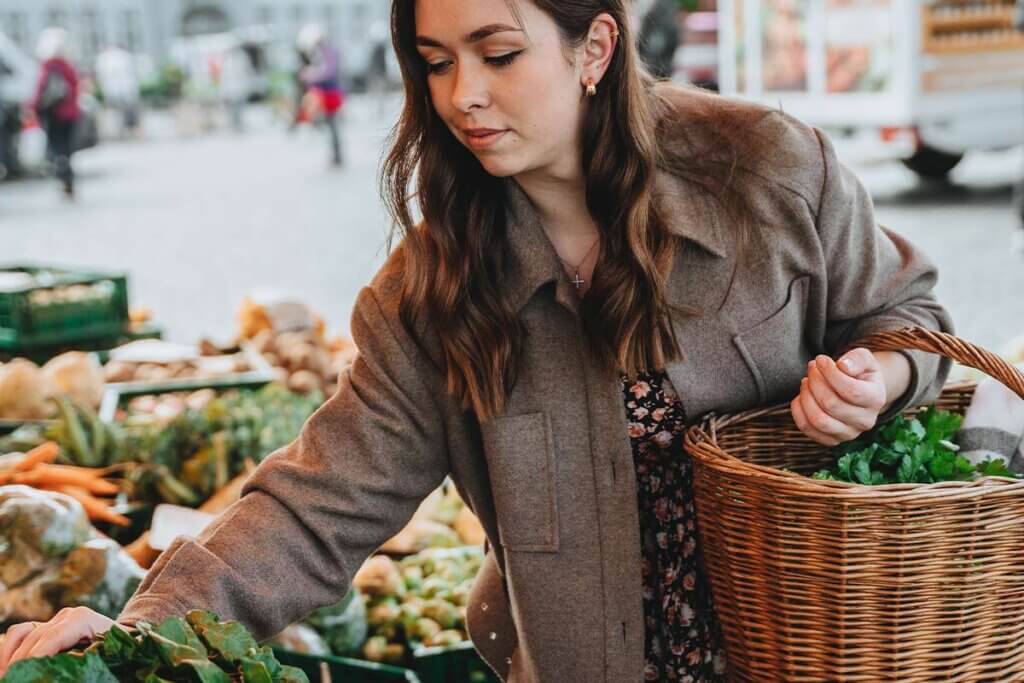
576, 275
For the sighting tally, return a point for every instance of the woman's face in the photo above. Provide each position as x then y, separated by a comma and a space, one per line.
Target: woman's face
513, 97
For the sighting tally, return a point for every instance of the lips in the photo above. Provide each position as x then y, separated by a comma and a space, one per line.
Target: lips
482, 138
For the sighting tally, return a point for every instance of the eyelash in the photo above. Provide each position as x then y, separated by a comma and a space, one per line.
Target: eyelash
499, 61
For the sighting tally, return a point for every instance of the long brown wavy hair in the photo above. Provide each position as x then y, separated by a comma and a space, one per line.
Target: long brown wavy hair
456, 258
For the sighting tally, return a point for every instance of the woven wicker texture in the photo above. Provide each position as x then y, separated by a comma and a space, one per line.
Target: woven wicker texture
829, 581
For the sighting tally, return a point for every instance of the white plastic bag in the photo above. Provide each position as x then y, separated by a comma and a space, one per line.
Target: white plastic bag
32, 148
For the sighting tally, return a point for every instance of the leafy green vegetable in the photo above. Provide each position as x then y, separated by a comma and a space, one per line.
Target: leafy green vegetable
66, 668
196, 649
188, 459
909, 451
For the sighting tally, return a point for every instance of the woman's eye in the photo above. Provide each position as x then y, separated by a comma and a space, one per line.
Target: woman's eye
437, 67
503, 60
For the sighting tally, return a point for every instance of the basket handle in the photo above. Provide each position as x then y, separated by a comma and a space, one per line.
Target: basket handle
950, 346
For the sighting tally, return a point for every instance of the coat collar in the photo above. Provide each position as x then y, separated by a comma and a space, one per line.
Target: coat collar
534, 263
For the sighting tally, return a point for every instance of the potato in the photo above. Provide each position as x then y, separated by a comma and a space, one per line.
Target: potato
118, 371
305, 382
78, 376
281, 376
300, 357
265, 341
24, 391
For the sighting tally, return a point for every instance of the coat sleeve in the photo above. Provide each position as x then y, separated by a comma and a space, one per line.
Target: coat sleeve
315, 510
877, 280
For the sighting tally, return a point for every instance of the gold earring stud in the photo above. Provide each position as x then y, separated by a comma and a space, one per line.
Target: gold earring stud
591, 87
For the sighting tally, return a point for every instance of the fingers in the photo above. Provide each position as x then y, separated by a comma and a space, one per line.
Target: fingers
851, 390
819, 419
70, 626
858, 362
859, 418
804, 424
14, 637
37, 634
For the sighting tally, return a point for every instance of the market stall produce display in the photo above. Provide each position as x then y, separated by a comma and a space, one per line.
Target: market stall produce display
196, 648
398, 607
50, 558
161, 443
305, 361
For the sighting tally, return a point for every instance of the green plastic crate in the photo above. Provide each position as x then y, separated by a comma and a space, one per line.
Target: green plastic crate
343, 670
37, 316
458, 664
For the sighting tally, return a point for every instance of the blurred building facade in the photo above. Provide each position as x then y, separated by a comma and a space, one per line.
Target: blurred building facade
148, 27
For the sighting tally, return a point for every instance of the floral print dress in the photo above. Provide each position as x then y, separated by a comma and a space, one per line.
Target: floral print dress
683, 641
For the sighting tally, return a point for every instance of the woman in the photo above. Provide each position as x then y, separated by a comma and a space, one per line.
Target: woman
321, 77
55, 104
601, 260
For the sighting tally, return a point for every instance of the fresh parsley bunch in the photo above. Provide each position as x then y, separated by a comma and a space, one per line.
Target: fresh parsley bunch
915, 451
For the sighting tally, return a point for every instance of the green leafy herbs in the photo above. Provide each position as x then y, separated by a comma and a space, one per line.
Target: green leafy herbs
909, 451
196, 648
185, 461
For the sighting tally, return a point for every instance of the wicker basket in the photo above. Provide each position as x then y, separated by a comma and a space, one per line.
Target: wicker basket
829, 581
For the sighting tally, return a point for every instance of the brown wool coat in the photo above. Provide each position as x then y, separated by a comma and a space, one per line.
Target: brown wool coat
552, 479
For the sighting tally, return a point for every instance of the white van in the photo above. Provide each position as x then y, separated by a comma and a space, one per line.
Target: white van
922, 81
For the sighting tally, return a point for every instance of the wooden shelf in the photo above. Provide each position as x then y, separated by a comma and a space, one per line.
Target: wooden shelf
995, 18
946, 47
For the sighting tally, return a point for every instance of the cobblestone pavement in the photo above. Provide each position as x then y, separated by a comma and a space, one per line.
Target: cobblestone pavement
200, 221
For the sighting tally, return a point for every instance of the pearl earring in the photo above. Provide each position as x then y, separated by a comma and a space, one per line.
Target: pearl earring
591, 87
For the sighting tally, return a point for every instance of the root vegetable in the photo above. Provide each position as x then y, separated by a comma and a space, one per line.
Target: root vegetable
117, 371
78, 376
43, 454
24, 391
305, 382
96, 509
42, 476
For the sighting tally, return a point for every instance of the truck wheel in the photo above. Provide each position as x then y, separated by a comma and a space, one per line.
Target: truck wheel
931, 163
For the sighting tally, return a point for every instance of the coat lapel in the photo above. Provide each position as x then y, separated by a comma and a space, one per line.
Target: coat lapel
700, 280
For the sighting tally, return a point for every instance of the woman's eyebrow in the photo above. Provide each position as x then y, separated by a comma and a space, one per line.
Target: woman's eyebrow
474, 37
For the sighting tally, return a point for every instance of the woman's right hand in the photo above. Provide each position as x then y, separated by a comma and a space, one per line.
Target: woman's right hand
71, 626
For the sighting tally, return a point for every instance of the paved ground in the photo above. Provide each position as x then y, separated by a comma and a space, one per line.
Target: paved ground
199, 222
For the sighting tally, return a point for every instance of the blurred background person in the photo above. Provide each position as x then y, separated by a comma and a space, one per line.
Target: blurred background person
236, 74
119, 85
659, 36
324, 96
55, 104
300, 89
378, 79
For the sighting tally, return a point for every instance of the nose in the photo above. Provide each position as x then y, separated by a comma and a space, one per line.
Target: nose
470, 90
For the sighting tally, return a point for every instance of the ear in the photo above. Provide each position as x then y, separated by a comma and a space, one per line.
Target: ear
598, 48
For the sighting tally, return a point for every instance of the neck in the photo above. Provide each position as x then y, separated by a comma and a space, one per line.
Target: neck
560, 197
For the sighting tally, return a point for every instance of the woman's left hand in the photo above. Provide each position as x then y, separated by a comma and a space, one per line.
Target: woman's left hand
841, 400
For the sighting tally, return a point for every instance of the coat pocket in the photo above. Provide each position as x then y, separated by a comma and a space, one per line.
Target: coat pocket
776, 350
520, 459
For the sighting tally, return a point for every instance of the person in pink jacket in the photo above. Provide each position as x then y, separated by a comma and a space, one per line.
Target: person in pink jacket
55, 103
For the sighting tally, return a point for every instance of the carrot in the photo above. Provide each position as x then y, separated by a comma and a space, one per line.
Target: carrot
43, 454
96, 509
56, 475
